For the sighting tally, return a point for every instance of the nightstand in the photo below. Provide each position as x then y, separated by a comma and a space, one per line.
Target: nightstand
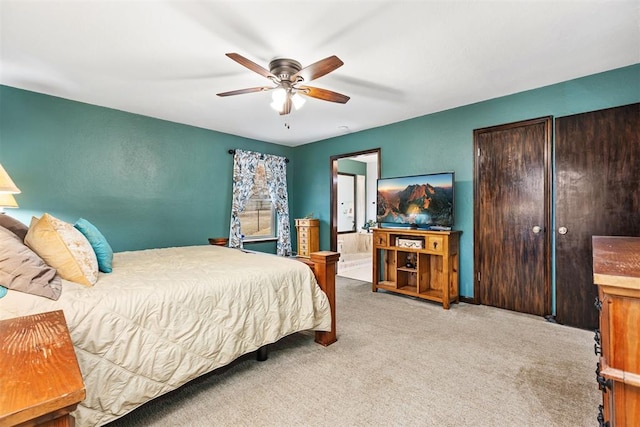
40, 381
219, 241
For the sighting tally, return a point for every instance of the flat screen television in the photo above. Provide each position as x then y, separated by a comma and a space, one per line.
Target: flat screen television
419, 201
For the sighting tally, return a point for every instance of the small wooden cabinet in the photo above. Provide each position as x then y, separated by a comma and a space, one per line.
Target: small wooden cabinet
308, 236
219, 241
40, 381
418, 263
616, 272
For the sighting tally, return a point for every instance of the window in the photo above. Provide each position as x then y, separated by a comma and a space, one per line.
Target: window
258, 220
256, 176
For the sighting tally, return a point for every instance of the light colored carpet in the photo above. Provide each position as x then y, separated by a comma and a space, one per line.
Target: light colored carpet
400, 362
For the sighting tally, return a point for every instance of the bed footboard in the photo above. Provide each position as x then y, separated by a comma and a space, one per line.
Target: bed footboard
323, 264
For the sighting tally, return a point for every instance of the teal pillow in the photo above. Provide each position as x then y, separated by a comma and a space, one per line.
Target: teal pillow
100, 246
3, 291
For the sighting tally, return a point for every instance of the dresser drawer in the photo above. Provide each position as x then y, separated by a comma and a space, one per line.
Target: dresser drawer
435, 244
307, 222
381, 239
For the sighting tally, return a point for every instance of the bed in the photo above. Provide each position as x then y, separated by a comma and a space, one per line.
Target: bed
163, 317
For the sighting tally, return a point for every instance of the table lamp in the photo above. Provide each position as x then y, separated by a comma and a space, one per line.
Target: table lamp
7, 189
6, 184
7, 201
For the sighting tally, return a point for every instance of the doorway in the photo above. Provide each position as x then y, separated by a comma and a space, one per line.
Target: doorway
512, 216
353, 204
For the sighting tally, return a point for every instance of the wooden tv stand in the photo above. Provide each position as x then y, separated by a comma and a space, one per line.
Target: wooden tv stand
419, 263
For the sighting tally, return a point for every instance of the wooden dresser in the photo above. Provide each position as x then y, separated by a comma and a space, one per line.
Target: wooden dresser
308, 236
616, 272
40, 381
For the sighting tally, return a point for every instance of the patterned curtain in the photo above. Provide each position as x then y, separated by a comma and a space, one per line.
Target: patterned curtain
276, 171
244, 172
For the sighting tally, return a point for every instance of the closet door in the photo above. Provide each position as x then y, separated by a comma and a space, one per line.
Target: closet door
597, 194
512, 216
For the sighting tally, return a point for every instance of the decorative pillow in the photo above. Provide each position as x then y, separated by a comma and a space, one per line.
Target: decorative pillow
64, 248
13, 225
3, 291
23, 270
98, 242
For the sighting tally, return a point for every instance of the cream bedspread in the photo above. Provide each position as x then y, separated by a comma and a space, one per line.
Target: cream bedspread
166, 316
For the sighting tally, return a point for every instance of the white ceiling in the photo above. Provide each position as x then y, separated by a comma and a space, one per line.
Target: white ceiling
402, 59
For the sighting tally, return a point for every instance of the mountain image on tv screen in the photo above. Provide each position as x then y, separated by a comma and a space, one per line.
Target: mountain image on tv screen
423, 201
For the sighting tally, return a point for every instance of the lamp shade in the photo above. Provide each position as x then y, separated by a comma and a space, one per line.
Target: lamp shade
278, 96
298, 101
7, 201
6, 184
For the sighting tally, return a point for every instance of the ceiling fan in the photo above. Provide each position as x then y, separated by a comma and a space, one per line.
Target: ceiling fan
288, 77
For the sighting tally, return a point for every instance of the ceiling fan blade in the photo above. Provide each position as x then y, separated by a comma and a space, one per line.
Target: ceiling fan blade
318, 69
248, 90
324, 94
250, 65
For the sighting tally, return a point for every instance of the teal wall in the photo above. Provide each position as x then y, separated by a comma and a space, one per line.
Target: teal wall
143, 182
444, 142
151, 183
353, 167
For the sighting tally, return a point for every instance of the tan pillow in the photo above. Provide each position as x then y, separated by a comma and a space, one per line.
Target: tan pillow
22, 270
64, 248
14, 225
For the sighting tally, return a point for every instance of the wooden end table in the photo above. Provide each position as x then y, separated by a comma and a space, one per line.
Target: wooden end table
40, 381
219, 241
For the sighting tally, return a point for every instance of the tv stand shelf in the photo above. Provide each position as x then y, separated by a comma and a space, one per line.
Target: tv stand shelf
418, 263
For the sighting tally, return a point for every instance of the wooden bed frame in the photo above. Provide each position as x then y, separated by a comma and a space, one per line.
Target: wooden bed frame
323, 265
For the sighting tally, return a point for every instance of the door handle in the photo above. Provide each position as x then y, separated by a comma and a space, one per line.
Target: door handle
536, 229
563, 230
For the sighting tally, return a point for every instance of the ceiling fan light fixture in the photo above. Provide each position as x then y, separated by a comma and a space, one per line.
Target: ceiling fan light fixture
298, 101
278, 98
276, 106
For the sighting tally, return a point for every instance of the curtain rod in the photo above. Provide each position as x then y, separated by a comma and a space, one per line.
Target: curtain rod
261, 157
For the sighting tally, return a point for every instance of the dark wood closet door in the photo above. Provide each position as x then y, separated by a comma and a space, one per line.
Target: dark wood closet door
512, 216
597, 194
